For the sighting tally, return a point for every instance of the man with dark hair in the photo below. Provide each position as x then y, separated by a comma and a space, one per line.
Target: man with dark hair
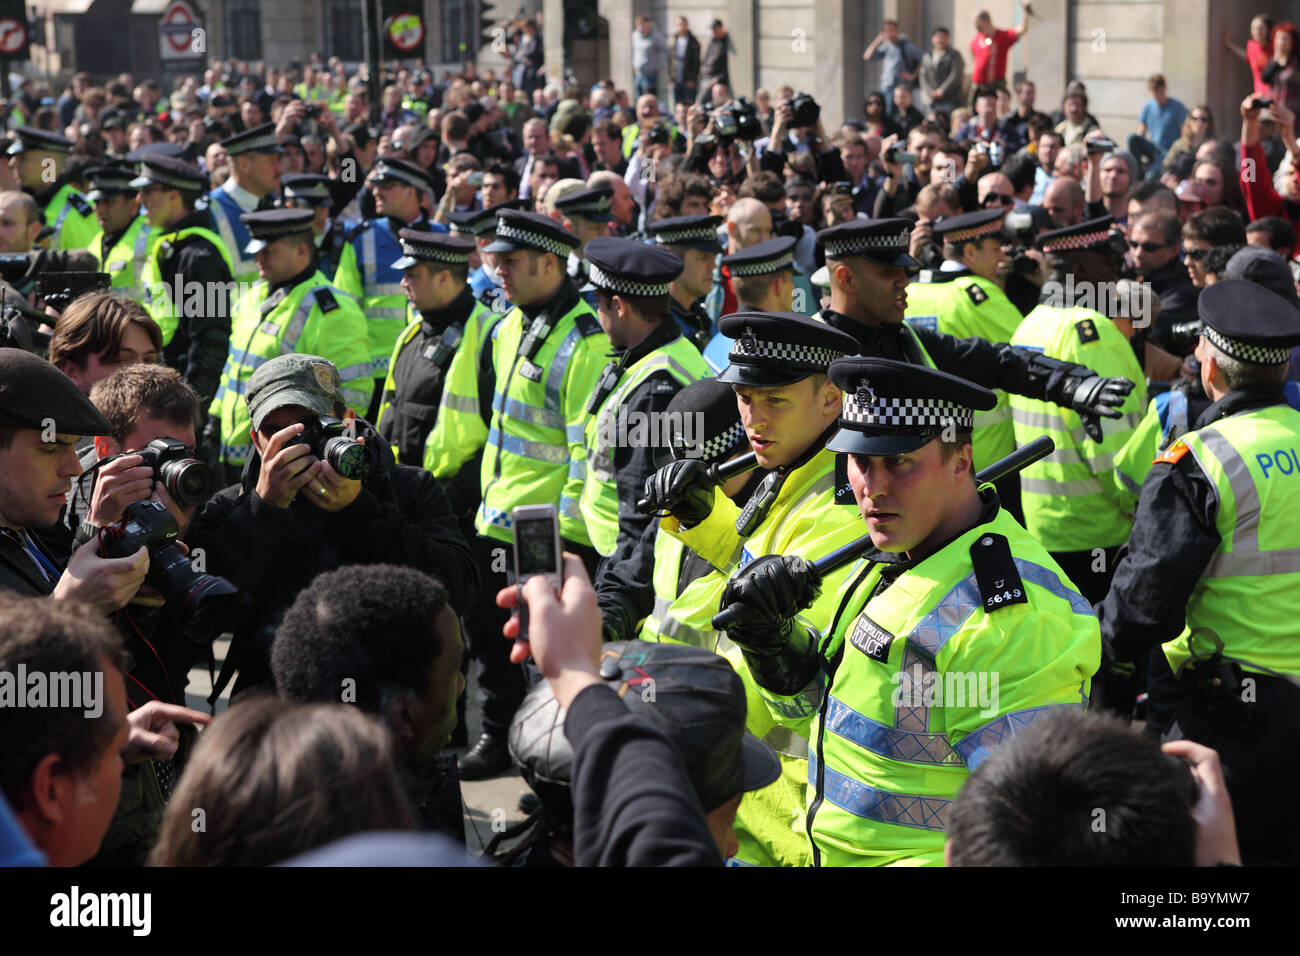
686, 63
1206, 588
607, 140
954, 632
713, 65
186, 254
941, 72
1150, 196
1215, 228
385, 638
100, 332
1154, 240
1272, 232
500, 184
254, 177
293, 514
693, 240
1075, 789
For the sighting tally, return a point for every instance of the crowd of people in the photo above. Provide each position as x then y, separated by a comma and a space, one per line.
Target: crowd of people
322, 346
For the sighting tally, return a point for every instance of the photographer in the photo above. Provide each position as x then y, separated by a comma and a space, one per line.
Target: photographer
294, 515
34, 480
797, 125
904, 178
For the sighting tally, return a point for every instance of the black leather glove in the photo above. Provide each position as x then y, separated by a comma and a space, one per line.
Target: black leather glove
759, 604
1095, 396
681, 488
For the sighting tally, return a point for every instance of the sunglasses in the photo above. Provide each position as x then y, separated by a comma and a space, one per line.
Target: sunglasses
998, 198
1195, 254
1148, 246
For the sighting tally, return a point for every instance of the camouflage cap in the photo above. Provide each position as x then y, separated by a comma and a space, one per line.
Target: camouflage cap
295, 379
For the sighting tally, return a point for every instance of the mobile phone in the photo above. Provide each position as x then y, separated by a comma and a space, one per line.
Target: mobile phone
475, 178
537, 551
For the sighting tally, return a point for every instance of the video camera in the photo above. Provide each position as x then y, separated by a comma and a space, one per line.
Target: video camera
806, 110
60, 289
738, 121
1020, 230
23, 270
1100, 144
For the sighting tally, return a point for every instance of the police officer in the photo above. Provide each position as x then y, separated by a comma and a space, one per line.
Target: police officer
1210, 570
45, 415
1070, 500
694, 240
122, 244
33, 153
964, 300
651, 363
868, 265
187, 275
763, 278
295, 309
313, 191
956, 629
481, 227
706, 425
550, 351
366, 269
586, 214
788, 409
253, 182
434, 267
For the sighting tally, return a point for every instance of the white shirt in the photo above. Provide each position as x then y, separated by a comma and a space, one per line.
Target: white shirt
246, 200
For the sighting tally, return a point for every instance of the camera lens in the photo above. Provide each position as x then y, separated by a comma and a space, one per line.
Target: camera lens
188, 480
348, 457
202, 601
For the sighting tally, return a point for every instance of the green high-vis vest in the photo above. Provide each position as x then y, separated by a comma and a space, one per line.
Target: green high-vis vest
126, 261
158, 296
459, 431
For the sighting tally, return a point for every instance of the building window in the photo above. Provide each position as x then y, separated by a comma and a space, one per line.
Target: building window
455, 15
244, 29
343, 35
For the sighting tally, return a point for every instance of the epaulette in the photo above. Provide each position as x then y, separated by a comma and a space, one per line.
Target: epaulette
1173, 454
325, 298
588, 325
976, 294
79, 203
996, 573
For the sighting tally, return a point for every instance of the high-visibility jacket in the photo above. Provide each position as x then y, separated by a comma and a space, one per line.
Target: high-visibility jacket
924, 678
412, 419
804, 520
125, 261
460, 431
965, 307
1249, 594
681, 615
158, 295
1166, 420
366, 272
234, 234
599, 503
534, 452
1071, 501
313, 318
72, 218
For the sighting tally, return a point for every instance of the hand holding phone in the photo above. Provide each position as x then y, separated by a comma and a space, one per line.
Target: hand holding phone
537, 552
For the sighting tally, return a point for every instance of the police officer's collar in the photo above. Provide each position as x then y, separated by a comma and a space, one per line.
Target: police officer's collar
659, 336
296, 280
199, 218
897, 563
1240, 400
45, 195
457, 310
693, 314
566, 296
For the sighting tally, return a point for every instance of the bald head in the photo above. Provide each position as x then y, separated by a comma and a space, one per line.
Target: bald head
1063, 201
621, 204
994, 184
20, 221
647, 108
748, 223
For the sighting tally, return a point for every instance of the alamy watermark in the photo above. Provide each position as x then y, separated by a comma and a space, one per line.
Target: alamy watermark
65, 690
635, 429
918, 687
1118, 300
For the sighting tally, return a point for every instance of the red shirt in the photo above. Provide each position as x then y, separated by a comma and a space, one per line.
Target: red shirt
1258, 58
998, 44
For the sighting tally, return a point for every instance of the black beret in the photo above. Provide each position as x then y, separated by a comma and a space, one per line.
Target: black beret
33, 392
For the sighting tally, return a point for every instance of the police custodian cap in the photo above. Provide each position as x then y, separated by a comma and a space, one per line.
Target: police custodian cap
969, 226
418, 246
772, 349
160, 170
390, 169
1249, 322
480, 222
628, 267
891, 408
531, 230
271, 224
720, 432
698, 703
698, 231
882, 240
259, 139
27, 139
311, 188
106, 181
34, 392
1092, 234
589, 204
763, 259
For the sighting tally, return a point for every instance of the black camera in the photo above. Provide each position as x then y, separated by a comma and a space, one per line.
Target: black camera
20, 328
313, 111
328, 440
1099, 144
725, 125
895, 155
58, 290
202, 601
657, 135
806, 110
187, 479
1020, 230
1261, 103
738, 121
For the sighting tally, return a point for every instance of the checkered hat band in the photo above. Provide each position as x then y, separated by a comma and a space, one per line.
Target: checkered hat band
693, 234
529, 238
719, 444
852, 245
906, 413
278, 230
620, 284
1082, 241
1255, 354
261, 142
390, 172
770, 353
423, 250
173, 182
974, 232
762, 267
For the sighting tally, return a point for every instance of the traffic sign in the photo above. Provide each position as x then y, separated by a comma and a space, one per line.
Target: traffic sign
176, 31
13, 37
406, 31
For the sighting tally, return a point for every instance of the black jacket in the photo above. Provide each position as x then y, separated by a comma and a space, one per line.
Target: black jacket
198, 347
400, 517
713, 67
20, 572
686, 69
1178, 295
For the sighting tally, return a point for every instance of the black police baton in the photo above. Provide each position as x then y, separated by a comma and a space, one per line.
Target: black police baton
1022, 457
718, 474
